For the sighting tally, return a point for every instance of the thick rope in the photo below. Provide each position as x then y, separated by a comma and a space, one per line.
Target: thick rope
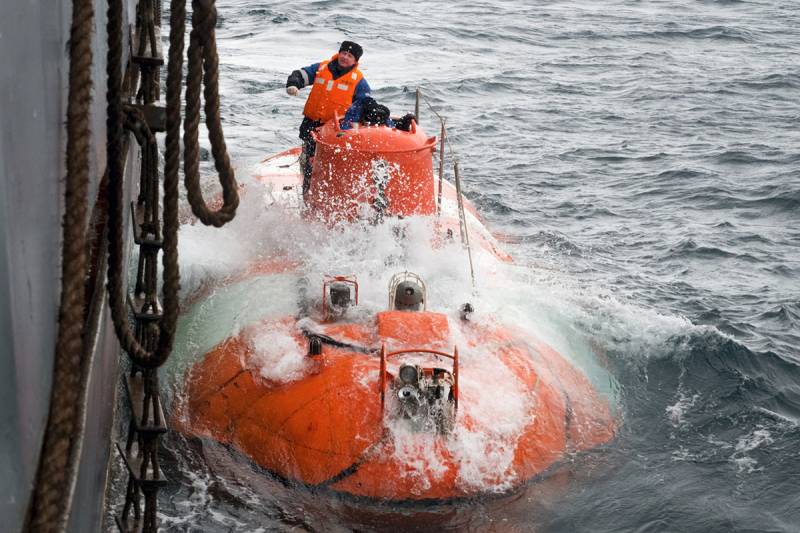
139, 354
49, 510
203, 54
203, 69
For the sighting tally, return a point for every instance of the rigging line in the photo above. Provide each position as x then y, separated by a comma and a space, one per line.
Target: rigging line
441, 120
337, 343
462, 219
460, 200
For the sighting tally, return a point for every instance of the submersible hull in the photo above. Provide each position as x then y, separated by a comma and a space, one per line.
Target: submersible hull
348, 420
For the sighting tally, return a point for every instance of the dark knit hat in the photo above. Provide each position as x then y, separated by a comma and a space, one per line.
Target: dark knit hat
353, 48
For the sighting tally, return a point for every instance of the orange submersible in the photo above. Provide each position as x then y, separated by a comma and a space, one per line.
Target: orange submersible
415, 401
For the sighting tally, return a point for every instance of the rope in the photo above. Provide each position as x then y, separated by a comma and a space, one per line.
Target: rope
56, 473
140, 355
149, 345
203, 54
57, 463
203, 68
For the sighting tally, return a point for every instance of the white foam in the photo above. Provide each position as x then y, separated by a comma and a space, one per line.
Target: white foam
277, 355
193, 506
758, 438
494, 409
498, 406
676, 411
746, 465
419, 453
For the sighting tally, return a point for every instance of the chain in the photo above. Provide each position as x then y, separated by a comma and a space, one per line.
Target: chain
150, 342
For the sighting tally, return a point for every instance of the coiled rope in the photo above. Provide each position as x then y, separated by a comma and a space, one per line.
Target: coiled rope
140, 355
57, 471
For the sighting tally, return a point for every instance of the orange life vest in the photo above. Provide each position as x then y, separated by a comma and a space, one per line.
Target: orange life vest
329, 95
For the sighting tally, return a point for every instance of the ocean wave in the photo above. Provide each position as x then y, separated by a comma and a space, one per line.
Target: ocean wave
722, 33
789, 80
492, 203
688, 248
713, 33
730, 379
554, 241
780, 201
739, 157
681, 174
782, 270
787, 314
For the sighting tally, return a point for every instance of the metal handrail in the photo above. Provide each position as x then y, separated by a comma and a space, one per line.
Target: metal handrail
383, 372
350, 280
461, 216
399, 278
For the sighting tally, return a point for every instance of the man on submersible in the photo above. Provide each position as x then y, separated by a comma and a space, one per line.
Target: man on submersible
338, 87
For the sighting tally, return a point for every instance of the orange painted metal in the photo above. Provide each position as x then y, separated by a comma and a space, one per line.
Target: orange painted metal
326, 429
383, 376
406, 329
352, 170
290, 152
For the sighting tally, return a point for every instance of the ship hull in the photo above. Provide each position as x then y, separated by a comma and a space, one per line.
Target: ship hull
33, 102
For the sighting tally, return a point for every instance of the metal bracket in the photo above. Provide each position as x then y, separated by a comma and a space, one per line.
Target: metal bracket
134, 463
138, 303
135, 388
131, 525
154, 58
154, 115
137, 217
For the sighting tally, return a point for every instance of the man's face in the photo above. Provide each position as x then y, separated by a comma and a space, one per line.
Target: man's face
346, 59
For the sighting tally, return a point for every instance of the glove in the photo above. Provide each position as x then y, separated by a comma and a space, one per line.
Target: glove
291, 90
404, 124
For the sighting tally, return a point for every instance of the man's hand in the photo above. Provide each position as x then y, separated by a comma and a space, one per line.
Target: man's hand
291, 90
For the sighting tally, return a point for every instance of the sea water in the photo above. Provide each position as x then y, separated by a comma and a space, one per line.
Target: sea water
641, 162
